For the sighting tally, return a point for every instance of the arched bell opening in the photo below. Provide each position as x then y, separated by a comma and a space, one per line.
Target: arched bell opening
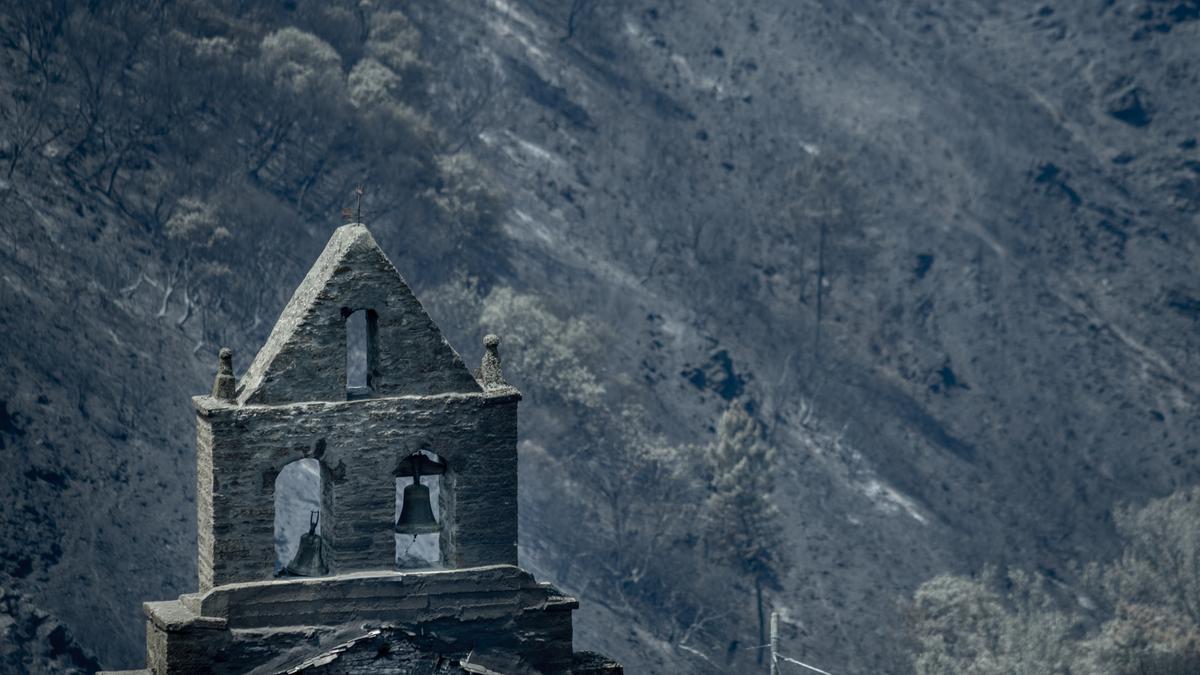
361, 354
303, 519
418, 523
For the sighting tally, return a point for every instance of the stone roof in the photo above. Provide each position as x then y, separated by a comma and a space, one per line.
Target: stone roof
382, 650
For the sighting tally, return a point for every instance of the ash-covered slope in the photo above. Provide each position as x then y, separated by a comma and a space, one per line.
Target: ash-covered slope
948, 248
946, 251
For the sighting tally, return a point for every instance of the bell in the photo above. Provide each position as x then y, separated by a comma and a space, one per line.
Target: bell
310, 557
416, 513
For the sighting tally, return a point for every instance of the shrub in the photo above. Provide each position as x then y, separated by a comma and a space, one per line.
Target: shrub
1136, 615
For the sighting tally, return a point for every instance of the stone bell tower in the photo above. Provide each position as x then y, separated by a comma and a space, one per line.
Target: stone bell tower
473, 611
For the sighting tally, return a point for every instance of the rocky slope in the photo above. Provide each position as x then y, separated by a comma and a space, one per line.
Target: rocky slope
945, 250
948, 248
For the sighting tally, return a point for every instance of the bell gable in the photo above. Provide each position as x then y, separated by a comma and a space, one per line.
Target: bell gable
304, 359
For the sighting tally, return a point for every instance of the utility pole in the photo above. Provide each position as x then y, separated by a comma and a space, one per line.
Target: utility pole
774, 643
776, 657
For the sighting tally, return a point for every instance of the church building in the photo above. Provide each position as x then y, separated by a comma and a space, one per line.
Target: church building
421, 425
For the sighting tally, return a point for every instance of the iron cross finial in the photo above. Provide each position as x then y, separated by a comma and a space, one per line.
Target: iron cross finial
355, 214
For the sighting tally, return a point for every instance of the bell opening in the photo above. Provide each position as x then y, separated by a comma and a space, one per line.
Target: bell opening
300, 517
418, 521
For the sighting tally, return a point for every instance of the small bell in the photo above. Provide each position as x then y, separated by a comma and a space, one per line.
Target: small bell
416, 513
310, 559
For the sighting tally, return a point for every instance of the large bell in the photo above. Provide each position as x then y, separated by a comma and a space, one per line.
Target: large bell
310, 560
416, 513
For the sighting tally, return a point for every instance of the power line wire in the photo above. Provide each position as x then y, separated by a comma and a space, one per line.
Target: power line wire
802, 664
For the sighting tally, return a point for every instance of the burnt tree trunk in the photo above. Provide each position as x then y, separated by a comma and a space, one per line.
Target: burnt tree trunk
762, 631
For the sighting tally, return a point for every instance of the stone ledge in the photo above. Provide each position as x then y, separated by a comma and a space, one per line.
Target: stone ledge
559, 603
411, 597
173, 616
502, 394
207, 406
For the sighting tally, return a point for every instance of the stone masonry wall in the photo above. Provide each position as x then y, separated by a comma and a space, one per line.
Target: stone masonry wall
304, 357
241, 450
273, 625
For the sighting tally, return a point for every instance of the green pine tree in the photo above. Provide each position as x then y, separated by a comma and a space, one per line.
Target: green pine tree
742, 523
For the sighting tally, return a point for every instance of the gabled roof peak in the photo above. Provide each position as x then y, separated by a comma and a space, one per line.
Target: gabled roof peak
304, 359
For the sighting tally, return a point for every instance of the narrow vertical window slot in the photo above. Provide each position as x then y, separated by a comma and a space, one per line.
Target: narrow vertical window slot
357, 382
